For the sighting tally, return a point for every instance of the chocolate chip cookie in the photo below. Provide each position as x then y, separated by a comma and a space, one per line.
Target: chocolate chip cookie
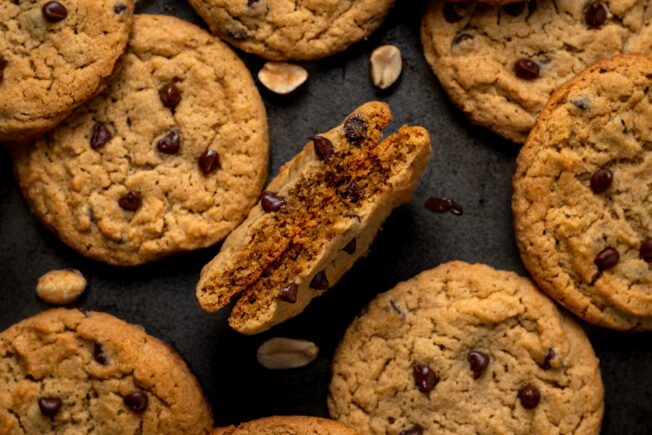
288, 425
287, 29
582, 200
54, 56
466, 349
63, 371
169, 158
501, 64
315, 219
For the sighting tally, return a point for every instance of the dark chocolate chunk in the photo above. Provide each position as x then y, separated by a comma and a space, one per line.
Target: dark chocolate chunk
425, 378
271, 202
526, 69
98, 354
136, 401
479, 362
414, 430
170, 95
548, 358
355, 128
320, 281
54, 12
209, 161
462, 37
646, 250
131, 201
350, 247
450, 13
601, 180
119, 8
607, 258
595, 14
529, 396
101, 135
323, 147
49, 406
514, 9
3, 65
353, 191
289, 293
170, 143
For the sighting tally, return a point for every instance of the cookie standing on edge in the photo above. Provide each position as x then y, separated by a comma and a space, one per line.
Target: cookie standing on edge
63, 371
582, 200
292, 30
500, 65
169, 158
466, 349
316, 218
54, 56
287, 425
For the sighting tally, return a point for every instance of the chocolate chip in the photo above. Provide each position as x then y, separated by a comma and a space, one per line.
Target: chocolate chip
355, 128
607, 258
251, 3
136, 401
350, 247
549, 357
271, 202
131, 201
601, 180
646, 250
526, 69
457, 209
170, 143
101, 135
170, 95
320, 281
581, 103
461, 38
3, 65
49, 406
514, 9
289, 293
353, 216
595, 14
529, 396
424, 378
54, 12
479, 362
209, 161
450, 13
439, 205
323, 147
235, 33
119, 8
98, 354
353, 191
414, 430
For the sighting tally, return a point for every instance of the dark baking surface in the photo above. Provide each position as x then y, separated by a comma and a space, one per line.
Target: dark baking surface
469, 164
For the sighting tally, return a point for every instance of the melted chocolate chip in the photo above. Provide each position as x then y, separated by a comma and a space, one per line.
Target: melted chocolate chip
209, 161
131, 201
526, 69
529, 396
414, 430
101, 135
49, 406
450, 13
550, 355
136, 401
271, 202
289, 293
350, 247
170, 95
170, 143
353, 191
601, 180
424, 378
461, 38
595, 14
355, 128
607, 258
646, 250
54, 12
514, 9
3, 65
98, 354
320, 281
440, 205
479, 362
323, 147
119, 8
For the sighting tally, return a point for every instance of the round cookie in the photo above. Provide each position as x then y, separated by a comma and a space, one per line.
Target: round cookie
169, 158
582, 200
63, 371
466, 349
54, 56
287, 425
293, 29
500, 65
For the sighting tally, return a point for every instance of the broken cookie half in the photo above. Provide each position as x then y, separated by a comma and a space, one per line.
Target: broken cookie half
315, 219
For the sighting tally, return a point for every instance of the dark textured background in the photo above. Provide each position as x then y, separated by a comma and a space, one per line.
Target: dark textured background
469, 164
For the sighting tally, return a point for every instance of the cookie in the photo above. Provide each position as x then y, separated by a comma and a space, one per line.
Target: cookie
500, 65
63, 371
316, 218
293, 29
466, 349
288, 425
582, 202
169, 158
54, 56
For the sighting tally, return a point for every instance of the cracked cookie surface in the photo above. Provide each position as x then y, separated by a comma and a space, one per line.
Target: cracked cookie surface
50, 67
465, 349
169, 158
474, 48
63, 371
287, 425
582, 200
293, 29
